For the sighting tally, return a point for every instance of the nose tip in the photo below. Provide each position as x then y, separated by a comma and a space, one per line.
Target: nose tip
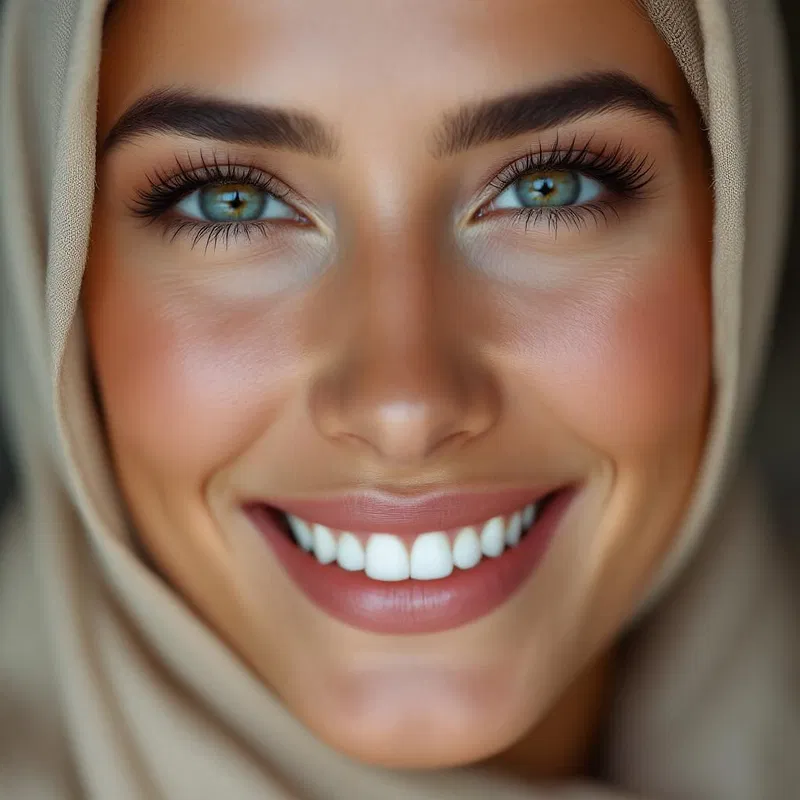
407, 431
405, 416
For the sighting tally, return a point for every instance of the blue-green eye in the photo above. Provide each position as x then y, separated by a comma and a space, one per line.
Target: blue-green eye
234, 202
548, 189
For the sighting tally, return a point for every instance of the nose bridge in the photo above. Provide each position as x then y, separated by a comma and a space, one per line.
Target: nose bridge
405, 379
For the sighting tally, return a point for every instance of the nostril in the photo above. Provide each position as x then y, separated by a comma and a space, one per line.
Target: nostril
355, 442
454, 440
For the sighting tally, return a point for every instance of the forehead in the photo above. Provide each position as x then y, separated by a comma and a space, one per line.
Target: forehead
373, 58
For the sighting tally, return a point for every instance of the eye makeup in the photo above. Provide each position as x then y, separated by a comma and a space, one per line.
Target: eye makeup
167, 190
561, 185
620, 176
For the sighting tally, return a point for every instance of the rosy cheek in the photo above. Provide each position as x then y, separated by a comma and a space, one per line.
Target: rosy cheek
627, 365
188, 388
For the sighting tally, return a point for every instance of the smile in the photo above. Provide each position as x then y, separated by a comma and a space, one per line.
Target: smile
428, 556
403, 565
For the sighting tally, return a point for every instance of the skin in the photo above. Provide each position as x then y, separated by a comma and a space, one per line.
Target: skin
277, 367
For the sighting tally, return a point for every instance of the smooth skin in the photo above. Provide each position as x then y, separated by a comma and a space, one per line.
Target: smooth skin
397, 339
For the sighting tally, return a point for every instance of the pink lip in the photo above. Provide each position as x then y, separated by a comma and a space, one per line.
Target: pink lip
412, 606
381, 512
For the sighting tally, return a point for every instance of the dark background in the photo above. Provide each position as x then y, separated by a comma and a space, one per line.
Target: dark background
775, 437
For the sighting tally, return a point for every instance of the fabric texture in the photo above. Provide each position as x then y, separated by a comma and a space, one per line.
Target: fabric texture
110, 687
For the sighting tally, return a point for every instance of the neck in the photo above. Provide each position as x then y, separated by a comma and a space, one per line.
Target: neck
562, 744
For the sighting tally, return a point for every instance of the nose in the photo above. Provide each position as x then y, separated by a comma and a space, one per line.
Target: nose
407, 381
404, 404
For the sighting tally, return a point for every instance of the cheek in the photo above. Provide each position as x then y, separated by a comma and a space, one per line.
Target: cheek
186, 384
189, 384
626, 362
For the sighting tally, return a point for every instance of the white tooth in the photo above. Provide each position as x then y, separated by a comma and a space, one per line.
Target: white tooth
324, 545
466, 549
351, 553
302, 533
386, 558
528, 516
493, 540
514, 530
431, 557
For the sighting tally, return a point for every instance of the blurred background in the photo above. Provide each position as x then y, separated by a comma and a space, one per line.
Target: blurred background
775, 435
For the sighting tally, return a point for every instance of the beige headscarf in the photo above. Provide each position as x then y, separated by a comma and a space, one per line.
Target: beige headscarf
110, 688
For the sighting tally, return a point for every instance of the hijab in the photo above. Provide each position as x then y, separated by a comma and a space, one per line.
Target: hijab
110, 686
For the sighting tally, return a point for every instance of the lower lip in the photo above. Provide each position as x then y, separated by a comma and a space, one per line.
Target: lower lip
413, 606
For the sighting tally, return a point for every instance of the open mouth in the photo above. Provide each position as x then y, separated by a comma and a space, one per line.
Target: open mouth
428, 556
411, 565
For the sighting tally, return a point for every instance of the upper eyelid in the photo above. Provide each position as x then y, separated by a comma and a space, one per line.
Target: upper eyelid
640, 165
582, 159
187, 177
237, 173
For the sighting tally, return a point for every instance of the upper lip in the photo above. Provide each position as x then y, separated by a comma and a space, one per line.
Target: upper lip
376, 511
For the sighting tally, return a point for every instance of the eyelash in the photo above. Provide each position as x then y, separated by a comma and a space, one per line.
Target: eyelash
166, 189
623, 173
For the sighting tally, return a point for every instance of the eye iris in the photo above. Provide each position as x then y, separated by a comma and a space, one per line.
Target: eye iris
548, 189
232, 203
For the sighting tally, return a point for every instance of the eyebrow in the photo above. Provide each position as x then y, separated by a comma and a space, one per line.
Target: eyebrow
548, 107
185, 113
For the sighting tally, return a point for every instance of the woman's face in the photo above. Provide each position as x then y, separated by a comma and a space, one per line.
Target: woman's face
402, 271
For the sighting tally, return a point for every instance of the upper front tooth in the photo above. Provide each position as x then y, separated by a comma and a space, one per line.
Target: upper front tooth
528, 516
302, 532
431, 557
466, 549
493, 540
324, 545
514, 530
386, 558
351, 553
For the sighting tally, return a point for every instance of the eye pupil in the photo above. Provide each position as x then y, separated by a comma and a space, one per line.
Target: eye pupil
548, 189
226, 203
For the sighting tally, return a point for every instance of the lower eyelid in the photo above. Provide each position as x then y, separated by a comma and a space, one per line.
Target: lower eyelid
213, 235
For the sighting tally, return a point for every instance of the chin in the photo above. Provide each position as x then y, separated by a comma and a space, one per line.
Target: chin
427, 719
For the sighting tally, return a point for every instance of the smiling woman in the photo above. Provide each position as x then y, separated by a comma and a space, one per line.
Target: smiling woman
453, 340
402, 345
